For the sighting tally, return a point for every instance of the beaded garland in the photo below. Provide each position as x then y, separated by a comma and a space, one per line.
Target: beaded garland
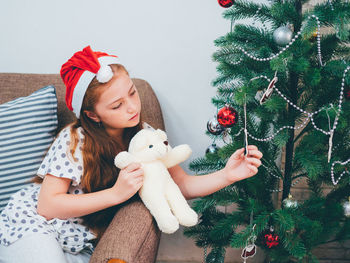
335, 182
278, 177
290, 43
310, 115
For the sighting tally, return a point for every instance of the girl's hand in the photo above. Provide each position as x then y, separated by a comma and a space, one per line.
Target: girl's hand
129, 181
239, 167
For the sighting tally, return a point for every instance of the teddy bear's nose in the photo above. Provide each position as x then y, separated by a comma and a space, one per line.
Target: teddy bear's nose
166, 142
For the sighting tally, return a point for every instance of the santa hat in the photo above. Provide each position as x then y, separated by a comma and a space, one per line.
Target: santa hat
80, 69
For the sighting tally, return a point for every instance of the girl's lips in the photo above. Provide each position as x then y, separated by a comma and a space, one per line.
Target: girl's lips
134, 117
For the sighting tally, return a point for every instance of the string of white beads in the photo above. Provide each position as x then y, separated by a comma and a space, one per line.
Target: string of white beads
269, 170
290, 43
278, 177
335, 182
278, 131
309, 114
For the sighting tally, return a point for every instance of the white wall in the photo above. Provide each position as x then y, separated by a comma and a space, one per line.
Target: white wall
168, 43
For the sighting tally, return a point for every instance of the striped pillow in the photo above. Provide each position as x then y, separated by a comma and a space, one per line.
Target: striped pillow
27, 129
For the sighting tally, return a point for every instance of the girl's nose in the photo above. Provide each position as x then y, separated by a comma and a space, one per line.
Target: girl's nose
132, 107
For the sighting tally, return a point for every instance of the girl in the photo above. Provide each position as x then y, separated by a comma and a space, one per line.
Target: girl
80, 186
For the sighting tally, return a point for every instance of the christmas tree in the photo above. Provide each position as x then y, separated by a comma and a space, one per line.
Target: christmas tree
282, 85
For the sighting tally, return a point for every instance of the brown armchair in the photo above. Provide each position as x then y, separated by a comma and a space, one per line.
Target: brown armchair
132, 235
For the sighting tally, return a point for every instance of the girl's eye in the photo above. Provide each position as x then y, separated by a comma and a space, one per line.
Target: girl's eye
117, 107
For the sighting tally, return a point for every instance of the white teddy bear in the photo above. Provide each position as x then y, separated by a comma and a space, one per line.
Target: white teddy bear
159, 192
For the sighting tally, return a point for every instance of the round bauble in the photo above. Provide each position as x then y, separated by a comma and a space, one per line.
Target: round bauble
226, 3
314, 36
282, 35
214, 127
290, 202
270, 239
212, 149
227, 116
347, 93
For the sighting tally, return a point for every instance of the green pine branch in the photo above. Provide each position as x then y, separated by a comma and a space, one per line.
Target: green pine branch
306, 83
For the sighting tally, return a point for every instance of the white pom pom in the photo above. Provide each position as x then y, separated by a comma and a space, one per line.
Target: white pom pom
104, 74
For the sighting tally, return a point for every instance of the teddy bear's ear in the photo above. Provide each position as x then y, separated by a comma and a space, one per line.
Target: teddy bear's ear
138, 141
146, 126
161, 134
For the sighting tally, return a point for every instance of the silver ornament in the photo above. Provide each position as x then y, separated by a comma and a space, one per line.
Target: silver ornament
226, 137
346, 207
214, 126
212, 149
282, 35
290, 202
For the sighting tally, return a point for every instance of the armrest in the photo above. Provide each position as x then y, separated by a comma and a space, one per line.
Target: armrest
132, 236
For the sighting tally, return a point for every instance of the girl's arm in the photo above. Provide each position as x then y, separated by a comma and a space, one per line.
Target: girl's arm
54, 202
198, 186
237, 168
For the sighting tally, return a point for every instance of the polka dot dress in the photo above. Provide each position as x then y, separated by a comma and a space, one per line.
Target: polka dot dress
20, 217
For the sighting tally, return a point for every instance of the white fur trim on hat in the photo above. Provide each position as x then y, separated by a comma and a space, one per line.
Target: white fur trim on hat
84, 81
79, 91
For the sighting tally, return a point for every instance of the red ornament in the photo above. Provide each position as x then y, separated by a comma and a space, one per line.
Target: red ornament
347, 93
271, 240
226, 3
249, 251
227, 116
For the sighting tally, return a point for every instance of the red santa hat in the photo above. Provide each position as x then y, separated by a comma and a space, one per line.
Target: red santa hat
80, 69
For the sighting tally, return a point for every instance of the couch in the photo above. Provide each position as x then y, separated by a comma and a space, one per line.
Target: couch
132, 236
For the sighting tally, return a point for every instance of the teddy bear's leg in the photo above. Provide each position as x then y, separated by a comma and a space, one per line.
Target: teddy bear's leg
158, 206
183, 212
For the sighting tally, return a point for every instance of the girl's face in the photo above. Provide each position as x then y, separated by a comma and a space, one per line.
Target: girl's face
119, 105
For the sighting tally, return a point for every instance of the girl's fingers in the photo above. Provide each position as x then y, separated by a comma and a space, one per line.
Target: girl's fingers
137, 173
132, 167
139, 180
238, 154
254, 161
252, 147
252, 168
255, 153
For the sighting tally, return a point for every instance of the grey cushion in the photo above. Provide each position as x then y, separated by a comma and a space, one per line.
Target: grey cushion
27, 129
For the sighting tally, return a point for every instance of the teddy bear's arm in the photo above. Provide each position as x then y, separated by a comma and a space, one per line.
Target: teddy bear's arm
177, 155
123, 159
